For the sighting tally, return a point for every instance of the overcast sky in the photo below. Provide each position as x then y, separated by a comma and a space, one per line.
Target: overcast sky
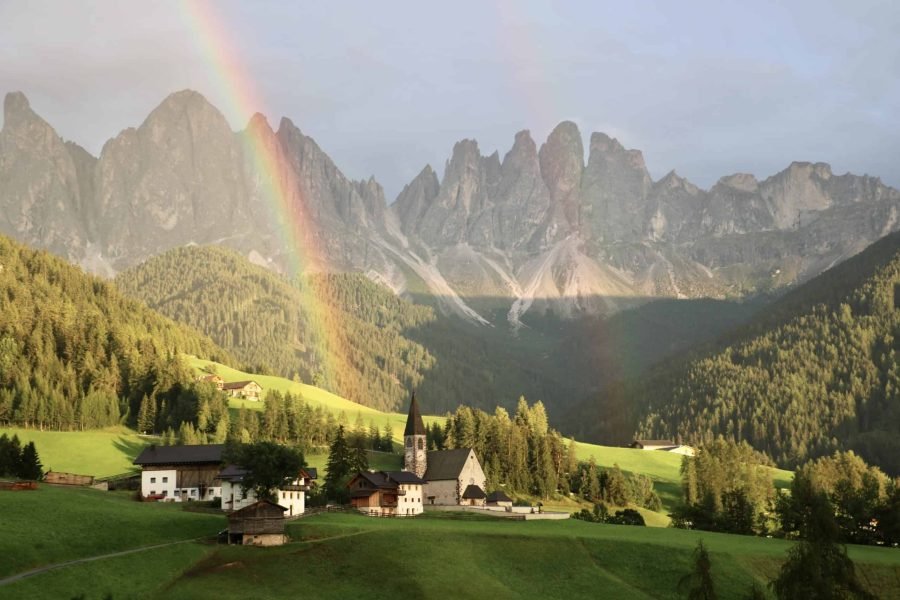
705, 88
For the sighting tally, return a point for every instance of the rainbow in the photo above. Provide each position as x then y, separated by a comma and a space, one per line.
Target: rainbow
276, 183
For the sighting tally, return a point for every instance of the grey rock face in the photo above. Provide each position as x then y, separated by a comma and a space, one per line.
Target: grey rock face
540, 228
40, 192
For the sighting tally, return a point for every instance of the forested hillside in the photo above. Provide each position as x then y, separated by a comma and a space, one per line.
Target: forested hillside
352, 343
818, 372
76, 354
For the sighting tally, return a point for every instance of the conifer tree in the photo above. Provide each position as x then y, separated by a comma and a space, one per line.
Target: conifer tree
30, 466
339, 466
698, 584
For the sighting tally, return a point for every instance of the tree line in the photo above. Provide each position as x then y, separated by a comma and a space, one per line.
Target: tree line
19, 461
727, 487
75, 354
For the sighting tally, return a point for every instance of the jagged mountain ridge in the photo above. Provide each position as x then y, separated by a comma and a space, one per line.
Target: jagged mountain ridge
540, 229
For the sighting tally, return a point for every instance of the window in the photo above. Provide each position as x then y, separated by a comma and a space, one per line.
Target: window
409, 442
152, 492
153, 480
421, 444
165, 480
177, 492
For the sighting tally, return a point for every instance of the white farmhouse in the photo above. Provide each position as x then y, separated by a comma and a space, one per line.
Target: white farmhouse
180, 473
292, 497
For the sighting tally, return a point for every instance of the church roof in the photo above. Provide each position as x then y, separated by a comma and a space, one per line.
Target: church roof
414, 423
446, 464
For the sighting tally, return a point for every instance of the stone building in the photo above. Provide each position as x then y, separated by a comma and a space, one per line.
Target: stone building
452, 477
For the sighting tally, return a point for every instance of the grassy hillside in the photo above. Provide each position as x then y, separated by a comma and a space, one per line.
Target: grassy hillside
341, 556
100, 453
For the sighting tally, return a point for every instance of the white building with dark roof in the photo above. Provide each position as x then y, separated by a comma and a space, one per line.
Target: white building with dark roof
180, 473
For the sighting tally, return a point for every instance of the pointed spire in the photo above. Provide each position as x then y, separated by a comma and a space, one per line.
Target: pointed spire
414, 423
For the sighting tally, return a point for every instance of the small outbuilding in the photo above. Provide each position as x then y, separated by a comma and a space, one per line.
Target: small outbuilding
246, 390
260, 524
498, 498
473, 496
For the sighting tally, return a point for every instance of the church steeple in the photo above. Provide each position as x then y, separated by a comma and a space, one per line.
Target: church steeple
415, 453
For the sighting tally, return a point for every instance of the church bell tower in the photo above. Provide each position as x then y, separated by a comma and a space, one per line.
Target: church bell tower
415, 453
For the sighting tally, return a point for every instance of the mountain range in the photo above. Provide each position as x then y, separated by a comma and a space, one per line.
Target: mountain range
494, 241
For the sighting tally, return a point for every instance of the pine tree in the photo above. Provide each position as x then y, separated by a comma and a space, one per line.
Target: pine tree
818, 567
30, 466
698, 584
339, 467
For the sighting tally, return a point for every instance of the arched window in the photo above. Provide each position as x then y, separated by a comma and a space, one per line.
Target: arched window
421, 444
409, 442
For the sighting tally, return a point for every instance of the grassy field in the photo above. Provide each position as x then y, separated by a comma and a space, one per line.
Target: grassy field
55, 524
346, 555
99, 453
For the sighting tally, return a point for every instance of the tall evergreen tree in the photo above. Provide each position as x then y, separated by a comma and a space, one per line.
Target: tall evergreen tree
30, 466
339, 466
698, 584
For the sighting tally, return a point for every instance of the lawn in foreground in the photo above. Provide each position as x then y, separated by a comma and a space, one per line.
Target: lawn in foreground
56, 524
352, 556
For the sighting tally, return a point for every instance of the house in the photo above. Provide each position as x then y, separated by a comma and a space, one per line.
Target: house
382, 493
498, 498
653, 444
452, 477
664, 445
180, 473
247, 390
214, 379
292, 497
259, 524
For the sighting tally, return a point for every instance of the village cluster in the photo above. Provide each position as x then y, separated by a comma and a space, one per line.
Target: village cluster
438, 478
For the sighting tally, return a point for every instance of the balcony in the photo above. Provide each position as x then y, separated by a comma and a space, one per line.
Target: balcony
295, 488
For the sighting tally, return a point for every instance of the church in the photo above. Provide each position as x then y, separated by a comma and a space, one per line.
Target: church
452, 477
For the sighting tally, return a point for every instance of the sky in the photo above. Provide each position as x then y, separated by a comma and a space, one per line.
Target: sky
704, 88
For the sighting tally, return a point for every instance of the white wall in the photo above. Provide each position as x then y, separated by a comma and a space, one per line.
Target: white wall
412, 503
234, 498
159, 482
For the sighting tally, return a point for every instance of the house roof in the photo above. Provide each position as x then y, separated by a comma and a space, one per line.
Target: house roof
473, 492
259, 508
311, 472
654, 442
405, 477
232, 473
237, 385
446, 464
498, 496
180, 455
414, 423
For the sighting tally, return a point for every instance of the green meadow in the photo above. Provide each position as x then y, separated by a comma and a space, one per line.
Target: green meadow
100, 453
447, 555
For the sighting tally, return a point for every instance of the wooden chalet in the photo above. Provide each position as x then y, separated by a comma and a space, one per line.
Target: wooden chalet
247, 390
214, 379
386, 493
260, 524
653, 444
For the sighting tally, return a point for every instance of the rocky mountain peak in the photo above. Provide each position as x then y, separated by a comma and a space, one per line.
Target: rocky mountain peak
15, 108
744, 182
562, 165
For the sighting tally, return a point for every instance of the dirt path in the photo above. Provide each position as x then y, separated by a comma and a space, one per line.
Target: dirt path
44, 569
